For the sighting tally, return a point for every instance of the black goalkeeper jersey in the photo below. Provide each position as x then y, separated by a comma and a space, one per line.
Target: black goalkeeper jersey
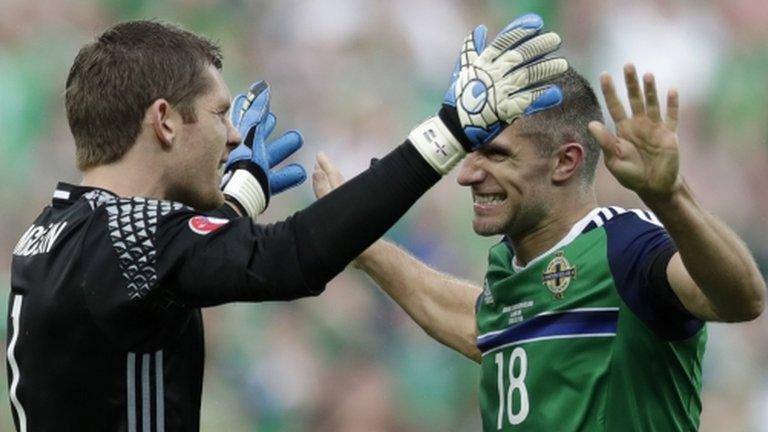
104, 328
104, 325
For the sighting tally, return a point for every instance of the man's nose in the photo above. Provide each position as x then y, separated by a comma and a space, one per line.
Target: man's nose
233, 137
471, 171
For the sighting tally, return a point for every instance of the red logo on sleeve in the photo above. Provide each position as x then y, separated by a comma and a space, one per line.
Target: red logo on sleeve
205, 225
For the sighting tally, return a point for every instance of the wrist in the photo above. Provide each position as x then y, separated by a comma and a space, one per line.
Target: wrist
437, 144
247, 192
677, 198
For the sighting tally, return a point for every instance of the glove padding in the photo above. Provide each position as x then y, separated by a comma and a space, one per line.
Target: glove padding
492, 86
250, 115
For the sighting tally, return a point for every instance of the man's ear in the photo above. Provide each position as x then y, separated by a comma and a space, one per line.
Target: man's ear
570, 157
164, 120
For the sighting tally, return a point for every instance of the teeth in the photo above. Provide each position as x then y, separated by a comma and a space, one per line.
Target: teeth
489, 199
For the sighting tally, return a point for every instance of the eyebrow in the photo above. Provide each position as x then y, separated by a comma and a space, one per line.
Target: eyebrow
494, 148
223, 106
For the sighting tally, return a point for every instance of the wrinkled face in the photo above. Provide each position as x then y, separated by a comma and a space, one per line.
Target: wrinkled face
203, 147
510, 184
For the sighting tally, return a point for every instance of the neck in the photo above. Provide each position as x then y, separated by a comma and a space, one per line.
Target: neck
127, 177
556, 225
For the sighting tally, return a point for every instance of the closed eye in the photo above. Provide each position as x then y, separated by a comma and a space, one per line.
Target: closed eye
495, 155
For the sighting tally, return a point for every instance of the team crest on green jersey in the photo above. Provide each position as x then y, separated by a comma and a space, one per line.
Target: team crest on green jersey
558, 275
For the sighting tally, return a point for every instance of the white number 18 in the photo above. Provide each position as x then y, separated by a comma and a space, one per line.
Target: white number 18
516, 382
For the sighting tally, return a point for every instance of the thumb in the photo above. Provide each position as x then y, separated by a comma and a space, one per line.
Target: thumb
607, 140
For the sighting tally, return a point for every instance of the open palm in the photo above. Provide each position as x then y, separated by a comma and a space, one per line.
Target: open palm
643, 154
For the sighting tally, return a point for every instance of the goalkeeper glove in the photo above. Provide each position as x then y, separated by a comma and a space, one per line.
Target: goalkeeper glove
491, 86
248, 175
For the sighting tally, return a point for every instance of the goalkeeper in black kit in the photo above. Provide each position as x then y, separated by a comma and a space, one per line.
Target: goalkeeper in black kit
104, 324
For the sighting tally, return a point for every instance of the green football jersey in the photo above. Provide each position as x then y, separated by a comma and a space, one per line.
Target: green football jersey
589, 336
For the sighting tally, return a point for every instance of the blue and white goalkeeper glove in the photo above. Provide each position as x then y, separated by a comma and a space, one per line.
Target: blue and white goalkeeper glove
249, 177
490, 88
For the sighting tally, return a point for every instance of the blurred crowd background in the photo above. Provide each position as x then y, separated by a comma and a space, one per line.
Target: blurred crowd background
355, 76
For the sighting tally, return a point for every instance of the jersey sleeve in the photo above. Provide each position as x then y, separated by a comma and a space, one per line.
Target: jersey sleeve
207, 261
149, 263
639, 250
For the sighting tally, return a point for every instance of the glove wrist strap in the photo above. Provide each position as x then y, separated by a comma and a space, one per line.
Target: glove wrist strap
244, 188
437, 144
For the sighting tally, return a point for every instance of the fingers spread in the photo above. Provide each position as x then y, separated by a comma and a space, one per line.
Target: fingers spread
651, 97
536, 47
320, 184
286, 177
615, 108
636, 103
517, 31
608, 141
267, 126
673, 107
284, 146
334, 176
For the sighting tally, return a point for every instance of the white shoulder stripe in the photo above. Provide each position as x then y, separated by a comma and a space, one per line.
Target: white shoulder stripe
604, 214
647, 216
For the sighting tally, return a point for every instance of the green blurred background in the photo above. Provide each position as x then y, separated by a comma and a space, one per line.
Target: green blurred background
355, 76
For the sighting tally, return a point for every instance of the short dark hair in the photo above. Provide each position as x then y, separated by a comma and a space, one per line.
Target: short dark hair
568, 122
117, 77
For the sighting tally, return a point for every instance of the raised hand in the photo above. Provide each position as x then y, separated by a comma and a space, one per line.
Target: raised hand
251, 116
491, 86
326, 176
249, 178
643, 155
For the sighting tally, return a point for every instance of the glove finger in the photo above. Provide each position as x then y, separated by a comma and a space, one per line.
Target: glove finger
531, 50
474, 43
284, 146
287, 177
531, 75
544, 98
519, 30
529, 102
267, 126
235, 111
256, 107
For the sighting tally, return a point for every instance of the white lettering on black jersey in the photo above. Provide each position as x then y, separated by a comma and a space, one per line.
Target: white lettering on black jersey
39, 239
105, 332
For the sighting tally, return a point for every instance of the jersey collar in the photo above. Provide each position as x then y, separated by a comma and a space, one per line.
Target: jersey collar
67, 193
576, 229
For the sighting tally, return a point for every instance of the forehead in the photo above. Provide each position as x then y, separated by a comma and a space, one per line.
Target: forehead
218, 92
514, 137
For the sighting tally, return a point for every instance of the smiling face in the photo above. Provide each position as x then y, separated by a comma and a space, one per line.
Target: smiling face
202, 147
511, 184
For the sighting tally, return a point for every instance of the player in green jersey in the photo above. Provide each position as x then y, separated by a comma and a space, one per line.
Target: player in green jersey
590, 318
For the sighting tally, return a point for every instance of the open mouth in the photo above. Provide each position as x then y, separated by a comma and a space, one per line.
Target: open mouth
488, 199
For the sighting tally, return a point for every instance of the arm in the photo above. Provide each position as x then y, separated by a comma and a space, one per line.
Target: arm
439, 303
442, 305
713, 273
499, 83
